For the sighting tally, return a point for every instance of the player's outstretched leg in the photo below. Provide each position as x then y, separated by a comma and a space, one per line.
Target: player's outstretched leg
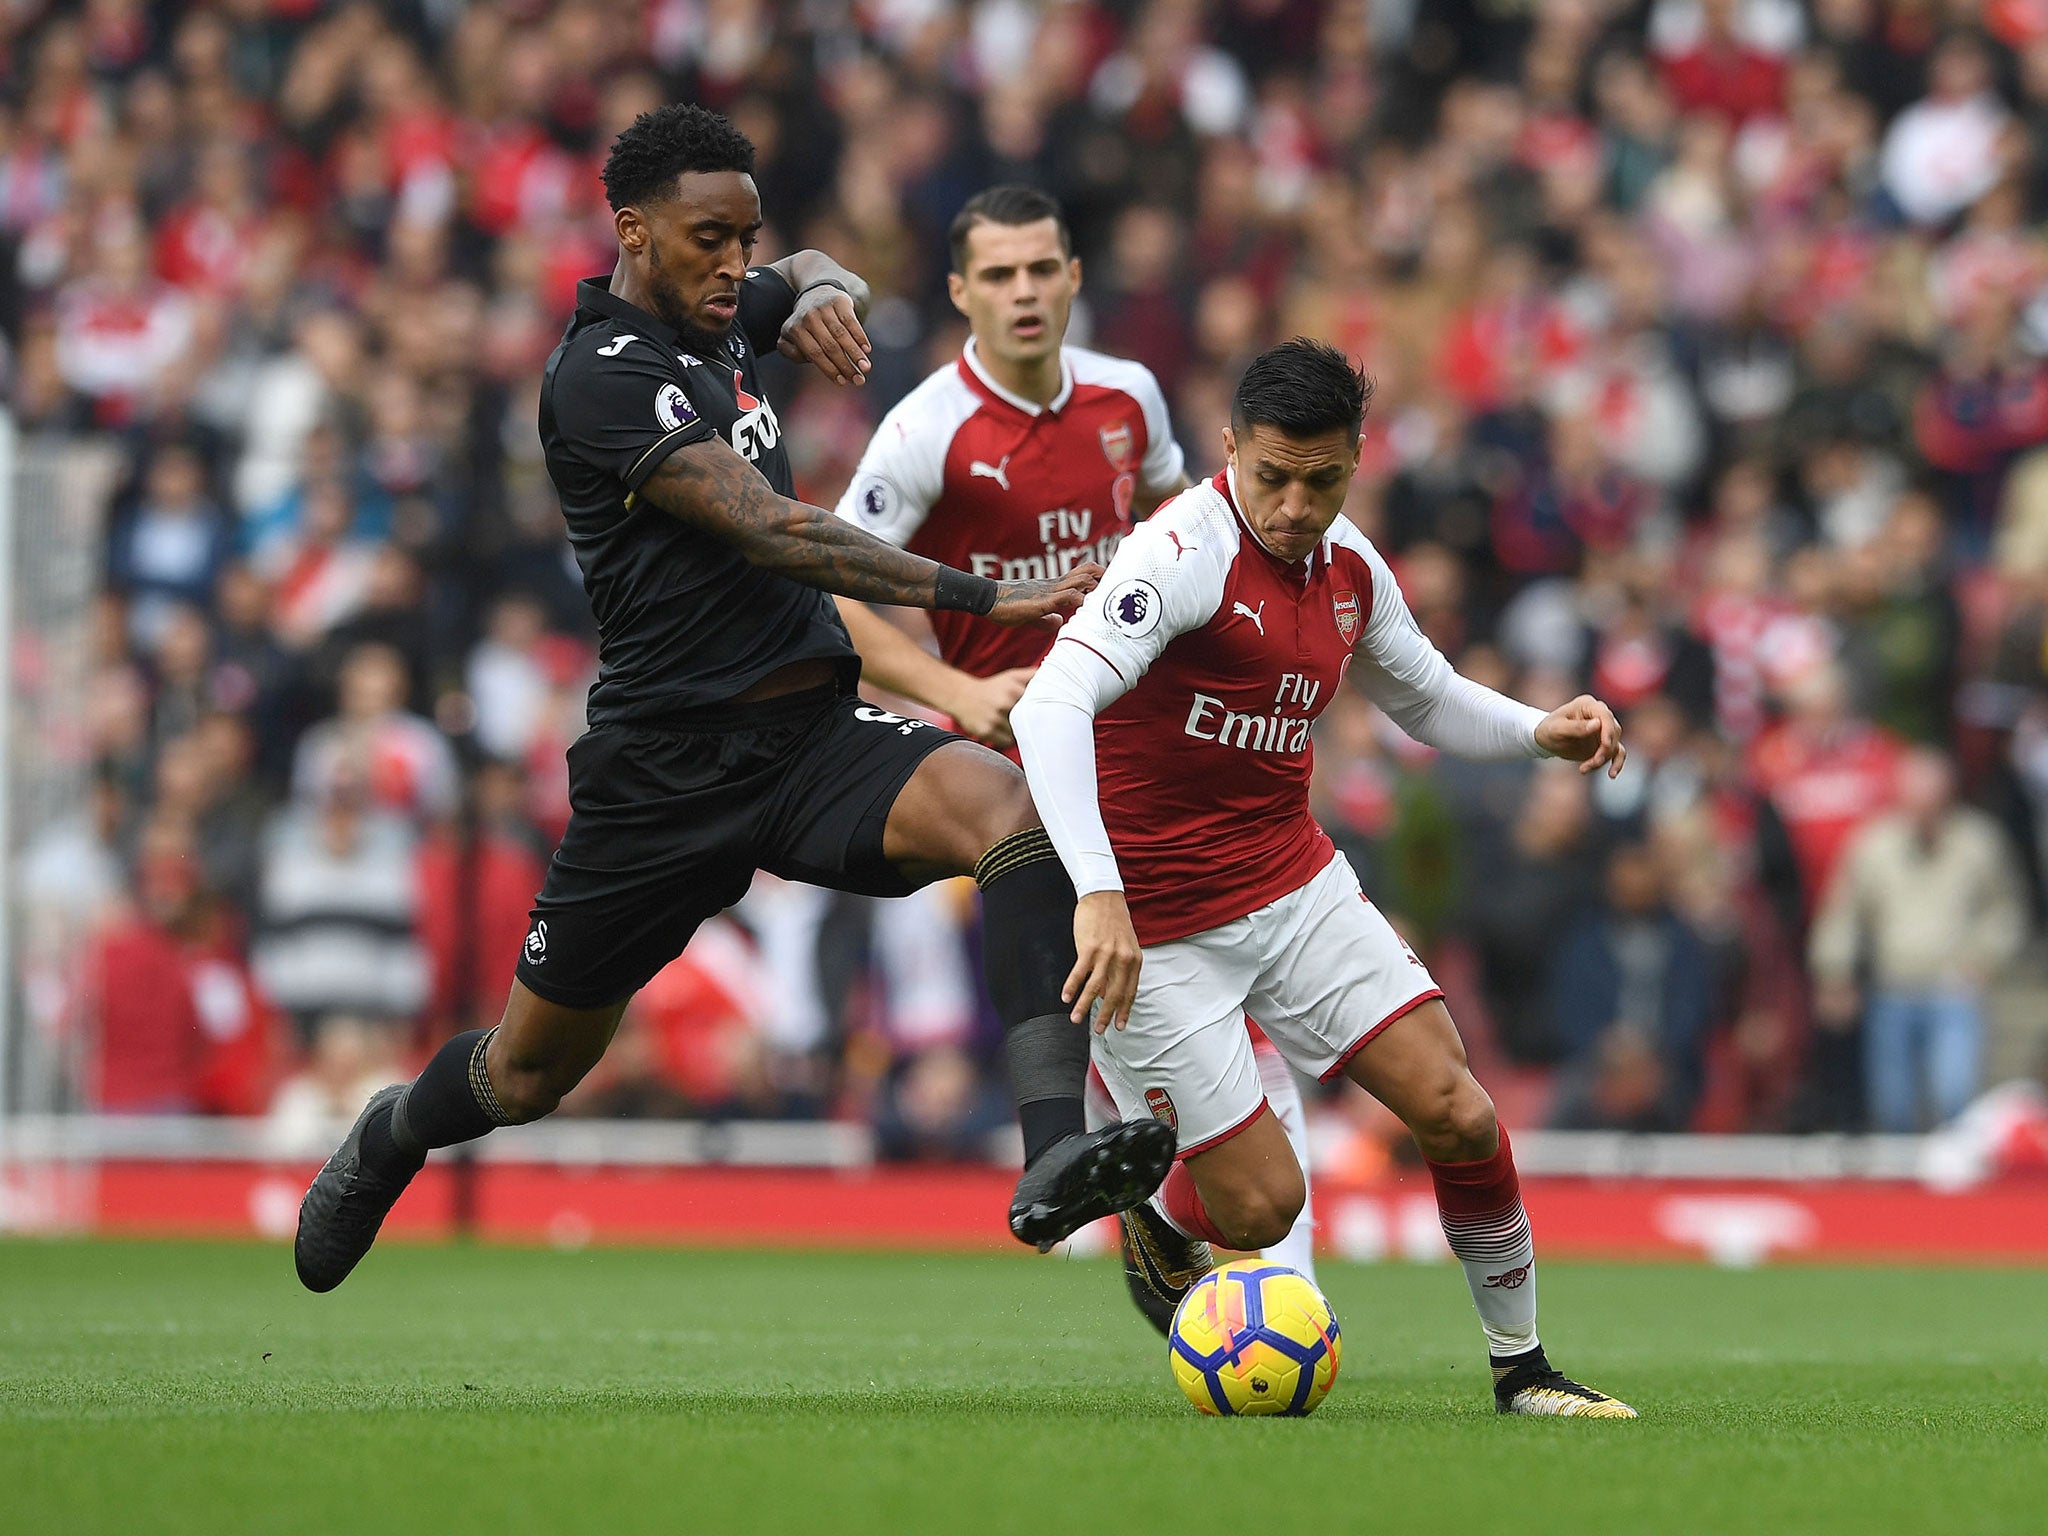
476, 1082
1072, 1175
966, 809
1416, 1067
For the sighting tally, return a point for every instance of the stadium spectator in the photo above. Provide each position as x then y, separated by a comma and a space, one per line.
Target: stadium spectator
1923, 912
1631, 996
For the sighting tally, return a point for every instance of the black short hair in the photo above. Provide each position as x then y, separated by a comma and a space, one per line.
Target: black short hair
1303, 387
1011, 204
669, 142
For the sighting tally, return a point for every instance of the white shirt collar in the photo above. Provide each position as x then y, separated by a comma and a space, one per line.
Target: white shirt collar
1028, 407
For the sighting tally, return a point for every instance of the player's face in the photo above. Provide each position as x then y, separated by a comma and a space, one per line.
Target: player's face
1291, 489
692, 251
1018, 289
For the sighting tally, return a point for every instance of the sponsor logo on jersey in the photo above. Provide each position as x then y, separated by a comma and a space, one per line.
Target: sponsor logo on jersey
537, 942
1283, 731
672, 407
1347, 616
757, 430
1510, 1280
1160, 1103
1057, 560
1134, 607
998, 472
1179, 548
1256, 616
615, 346
1118, 445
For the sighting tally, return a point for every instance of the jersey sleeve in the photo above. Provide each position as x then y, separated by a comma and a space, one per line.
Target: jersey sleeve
766, 303
1154, 591
899, 478
1165, 467
625, 413
1420, 691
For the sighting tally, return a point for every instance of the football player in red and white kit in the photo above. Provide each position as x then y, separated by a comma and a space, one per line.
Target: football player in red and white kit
1186, 688
1025, 454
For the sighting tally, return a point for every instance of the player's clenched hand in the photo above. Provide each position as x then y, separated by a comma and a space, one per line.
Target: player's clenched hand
1584, 732
1106, 967
980, 706
825, 332
1044, 602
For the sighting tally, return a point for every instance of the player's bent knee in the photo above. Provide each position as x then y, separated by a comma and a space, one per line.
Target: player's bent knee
1459, 1124
1257, 1214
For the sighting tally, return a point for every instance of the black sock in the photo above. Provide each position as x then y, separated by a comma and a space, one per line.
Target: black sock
450, 1101
1027, 954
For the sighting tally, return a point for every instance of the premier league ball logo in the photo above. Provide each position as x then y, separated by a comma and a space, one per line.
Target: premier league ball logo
874, 503
1133, 608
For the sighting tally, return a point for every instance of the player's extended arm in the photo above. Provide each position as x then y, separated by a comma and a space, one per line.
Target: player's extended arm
708, 486
890, 659
1421, 692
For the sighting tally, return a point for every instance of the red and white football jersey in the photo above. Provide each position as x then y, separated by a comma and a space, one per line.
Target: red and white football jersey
966, 473
1205, 662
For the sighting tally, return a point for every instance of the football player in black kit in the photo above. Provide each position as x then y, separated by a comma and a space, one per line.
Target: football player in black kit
725, 734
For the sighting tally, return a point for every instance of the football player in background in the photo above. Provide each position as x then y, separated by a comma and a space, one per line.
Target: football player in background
1182, 698
1027, 455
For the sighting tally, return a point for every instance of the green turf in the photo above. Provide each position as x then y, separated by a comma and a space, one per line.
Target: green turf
181, 1388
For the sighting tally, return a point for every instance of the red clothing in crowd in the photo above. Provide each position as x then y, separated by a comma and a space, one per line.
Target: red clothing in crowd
491, 912
181, 1026
1824, 787
1727, 78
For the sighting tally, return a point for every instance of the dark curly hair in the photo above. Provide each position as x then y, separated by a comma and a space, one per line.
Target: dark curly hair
669, 142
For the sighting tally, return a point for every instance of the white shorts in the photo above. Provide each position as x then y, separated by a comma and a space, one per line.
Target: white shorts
1320, 969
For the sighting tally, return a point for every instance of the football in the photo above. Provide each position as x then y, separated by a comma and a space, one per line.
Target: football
1254, 1338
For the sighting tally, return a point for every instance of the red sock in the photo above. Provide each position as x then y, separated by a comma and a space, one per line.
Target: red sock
1182, 1203
1476, 1190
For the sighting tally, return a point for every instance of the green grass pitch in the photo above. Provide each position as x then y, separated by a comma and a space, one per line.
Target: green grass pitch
159, 1387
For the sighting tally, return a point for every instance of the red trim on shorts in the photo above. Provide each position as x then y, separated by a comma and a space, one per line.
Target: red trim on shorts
1222, 1136
1413, 1003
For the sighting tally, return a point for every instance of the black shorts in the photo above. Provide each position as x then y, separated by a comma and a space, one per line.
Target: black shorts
667, 827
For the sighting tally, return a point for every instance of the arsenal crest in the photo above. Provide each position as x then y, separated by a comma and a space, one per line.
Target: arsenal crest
1347, 616
1117, 445
1160, 1102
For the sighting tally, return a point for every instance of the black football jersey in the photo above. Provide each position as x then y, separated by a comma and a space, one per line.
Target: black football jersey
683, 619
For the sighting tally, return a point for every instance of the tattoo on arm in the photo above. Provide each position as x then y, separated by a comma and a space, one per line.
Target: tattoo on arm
709, 486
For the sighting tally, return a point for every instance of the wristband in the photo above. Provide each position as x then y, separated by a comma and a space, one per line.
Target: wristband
823, 282
959, 592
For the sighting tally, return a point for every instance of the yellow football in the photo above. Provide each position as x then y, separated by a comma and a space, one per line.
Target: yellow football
1252, 1337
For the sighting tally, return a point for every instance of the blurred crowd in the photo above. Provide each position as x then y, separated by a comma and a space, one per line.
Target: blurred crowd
1711, 341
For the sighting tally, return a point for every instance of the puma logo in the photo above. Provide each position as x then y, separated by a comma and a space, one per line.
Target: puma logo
615, 346
1257, 618
1180, 549
998, 472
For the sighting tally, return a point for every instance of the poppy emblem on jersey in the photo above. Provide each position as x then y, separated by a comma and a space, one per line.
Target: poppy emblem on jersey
672, 408
1347, 616
1134, 608
1160, 1103
1117, 444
